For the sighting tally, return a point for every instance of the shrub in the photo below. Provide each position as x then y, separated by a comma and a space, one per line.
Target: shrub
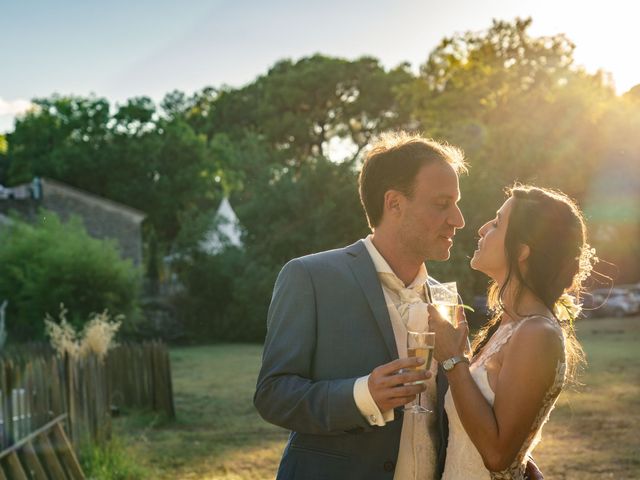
204, 304
49, 263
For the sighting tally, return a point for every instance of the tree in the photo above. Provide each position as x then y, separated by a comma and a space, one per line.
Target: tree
63, 138
135, 155
298, 107
520, 109
3, 159
612, 196
315, 209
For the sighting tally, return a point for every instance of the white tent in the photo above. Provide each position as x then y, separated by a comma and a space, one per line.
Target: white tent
226, 232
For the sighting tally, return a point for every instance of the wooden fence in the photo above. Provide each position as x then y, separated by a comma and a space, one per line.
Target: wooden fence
140, 377
34, 388
45, 454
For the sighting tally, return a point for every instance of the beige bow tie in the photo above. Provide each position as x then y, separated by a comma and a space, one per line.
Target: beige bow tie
407, 296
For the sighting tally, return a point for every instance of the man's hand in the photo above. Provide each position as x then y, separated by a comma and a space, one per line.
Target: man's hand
390, 384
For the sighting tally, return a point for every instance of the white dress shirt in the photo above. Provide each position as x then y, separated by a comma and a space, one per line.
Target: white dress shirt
417, 454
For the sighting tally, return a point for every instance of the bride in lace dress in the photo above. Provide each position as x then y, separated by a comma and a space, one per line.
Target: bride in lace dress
535, 252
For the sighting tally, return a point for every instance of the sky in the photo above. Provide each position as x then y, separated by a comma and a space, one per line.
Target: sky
126, 48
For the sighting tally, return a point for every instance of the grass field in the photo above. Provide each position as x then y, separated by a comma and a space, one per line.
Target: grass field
592, 434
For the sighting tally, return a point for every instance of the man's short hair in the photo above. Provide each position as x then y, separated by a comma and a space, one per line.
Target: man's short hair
393, 163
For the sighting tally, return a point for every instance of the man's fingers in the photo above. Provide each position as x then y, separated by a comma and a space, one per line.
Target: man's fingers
406, 391
398, 389
401, 396
400, 401
399, 364
405, 377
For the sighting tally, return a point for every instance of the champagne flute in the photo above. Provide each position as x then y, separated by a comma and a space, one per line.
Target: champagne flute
444, 297
420, 344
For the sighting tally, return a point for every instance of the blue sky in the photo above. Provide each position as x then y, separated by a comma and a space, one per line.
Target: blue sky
121, 49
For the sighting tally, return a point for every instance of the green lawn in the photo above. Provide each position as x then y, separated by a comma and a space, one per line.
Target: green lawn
217, 434
592, 434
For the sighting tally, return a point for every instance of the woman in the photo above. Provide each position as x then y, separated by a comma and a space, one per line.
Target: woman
535, 252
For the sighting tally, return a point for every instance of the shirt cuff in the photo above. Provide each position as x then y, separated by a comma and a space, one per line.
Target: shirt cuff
366, 404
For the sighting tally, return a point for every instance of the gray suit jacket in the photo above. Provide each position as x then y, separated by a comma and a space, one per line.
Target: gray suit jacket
328, 325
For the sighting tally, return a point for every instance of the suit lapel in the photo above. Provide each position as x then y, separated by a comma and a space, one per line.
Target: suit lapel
363, 269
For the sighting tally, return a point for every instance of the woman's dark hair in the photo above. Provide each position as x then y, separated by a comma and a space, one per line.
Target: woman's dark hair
559, 260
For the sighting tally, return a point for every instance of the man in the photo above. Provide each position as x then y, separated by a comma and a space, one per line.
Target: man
337, 326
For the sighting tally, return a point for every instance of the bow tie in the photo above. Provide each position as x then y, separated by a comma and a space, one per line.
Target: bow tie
406, 295
414, 318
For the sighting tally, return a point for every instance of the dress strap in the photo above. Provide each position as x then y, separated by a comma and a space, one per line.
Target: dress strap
495, 343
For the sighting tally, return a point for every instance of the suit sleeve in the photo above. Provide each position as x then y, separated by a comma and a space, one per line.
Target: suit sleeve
285, 393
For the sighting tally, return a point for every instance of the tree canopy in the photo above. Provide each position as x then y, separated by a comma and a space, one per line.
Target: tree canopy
286, 149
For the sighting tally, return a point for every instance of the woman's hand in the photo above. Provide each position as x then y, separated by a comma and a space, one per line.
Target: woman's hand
450, 341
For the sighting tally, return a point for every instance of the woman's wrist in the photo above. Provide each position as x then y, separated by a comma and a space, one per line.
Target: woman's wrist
453, 354
458, 365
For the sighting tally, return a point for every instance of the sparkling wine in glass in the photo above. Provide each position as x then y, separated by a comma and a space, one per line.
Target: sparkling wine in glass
444, 298
420, 344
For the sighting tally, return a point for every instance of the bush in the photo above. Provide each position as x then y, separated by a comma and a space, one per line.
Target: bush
52, 263
203, 306
226, 296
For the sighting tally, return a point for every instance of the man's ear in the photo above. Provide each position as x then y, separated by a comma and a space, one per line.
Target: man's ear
393, 202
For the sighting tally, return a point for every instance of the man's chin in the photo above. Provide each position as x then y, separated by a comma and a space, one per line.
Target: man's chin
440, 256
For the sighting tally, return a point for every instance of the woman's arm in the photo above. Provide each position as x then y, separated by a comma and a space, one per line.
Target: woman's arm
528, 371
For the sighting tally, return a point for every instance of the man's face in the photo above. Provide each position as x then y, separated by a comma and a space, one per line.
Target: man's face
429, 219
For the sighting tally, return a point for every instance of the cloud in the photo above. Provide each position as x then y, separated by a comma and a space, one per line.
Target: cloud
14, 107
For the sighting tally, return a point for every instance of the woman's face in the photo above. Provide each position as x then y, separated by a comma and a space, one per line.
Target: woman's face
490, 256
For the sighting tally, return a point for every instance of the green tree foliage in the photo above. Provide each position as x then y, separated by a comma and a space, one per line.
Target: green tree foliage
516, 103
50, 263
205, 302
61, 137
612, 199
286, 213
4, 146
159, 165
519, 108
298, 107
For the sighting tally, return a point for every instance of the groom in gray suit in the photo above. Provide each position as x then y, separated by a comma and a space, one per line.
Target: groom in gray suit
337, 323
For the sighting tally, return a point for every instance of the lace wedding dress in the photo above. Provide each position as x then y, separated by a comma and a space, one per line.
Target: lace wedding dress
463, 460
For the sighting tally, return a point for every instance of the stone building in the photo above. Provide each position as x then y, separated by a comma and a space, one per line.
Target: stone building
102, 218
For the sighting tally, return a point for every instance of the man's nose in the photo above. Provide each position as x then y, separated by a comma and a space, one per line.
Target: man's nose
457, 220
